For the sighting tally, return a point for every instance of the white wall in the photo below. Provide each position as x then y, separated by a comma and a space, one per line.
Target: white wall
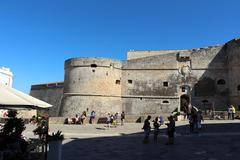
6, 76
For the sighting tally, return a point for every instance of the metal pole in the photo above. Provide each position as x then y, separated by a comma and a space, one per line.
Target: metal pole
46, 138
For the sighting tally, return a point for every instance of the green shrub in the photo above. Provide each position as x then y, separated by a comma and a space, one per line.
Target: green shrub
56, 136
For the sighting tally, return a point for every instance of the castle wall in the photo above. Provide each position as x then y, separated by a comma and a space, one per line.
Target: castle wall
148, 53
93, 84
143, 89
233, 49
149, 82
76, 104
209, 65
149, 105
51, 93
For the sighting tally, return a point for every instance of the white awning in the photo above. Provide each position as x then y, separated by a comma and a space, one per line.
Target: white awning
12, 98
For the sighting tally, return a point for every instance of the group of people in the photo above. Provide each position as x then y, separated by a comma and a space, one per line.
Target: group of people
231, 112
112, 119
81, 119
156, 125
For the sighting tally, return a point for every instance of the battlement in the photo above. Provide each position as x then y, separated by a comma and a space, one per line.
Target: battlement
47, 85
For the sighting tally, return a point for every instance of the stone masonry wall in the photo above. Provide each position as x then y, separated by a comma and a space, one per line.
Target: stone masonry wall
51, 94
233, 49
92, 83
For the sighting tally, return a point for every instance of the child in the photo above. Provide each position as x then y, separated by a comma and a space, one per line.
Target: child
147, 129
170, 130
156, 129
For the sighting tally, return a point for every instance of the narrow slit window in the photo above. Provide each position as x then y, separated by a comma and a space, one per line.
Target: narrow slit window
165, 102
129, 81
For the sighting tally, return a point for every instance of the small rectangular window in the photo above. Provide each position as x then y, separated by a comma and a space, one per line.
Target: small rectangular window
117, 82
93, 65
165, 84
130, 81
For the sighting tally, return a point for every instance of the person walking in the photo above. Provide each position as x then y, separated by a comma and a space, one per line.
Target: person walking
147, 129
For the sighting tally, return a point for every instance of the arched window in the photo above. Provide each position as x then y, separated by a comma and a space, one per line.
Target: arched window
238, 87
221, 82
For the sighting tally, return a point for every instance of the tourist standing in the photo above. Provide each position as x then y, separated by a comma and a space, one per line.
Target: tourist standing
83, 117
77, 119
191, 124
229, 112
170, 130
92, 117
108, 120
115, 120
233, 112
156, 126
122, 118
147, 129
199, 119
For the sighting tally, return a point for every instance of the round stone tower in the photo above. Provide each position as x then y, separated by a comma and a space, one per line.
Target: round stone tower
91, 84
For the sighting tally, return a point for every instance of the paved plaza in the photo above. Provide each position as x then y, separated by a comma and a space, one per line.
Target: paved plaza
218, 140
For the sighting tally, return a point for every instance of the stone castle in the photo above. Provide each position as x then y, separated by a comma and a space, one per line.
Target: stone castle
151, 82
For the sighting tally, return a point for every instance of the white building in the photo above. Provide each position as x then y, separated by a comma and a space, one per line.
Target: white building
6, 76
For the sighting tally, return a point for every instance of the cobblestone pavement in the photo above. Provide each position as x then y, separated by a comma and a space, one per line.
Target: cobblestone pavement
218, 140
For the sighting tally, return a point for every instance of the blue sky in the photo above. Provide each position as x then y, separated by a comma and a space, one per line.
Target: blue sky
36, 36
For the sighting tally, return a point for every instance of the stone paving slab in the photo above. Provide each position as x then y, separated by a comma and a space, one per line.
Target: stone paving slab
218, 140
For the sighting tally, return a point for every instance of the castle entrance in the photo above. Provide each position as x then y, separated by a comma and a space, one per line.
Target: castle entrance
184, 99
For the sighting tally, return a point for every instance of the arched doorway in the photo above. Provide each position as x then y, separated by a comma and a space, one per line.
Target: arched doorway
184, 103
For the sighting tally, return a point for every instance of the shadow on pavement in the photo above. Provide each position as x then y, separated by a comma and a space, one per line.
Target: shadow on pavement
130, 146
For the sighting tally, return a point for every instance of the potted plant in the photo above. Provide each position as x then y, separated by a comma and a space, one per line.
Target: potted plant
55, 145
177, 116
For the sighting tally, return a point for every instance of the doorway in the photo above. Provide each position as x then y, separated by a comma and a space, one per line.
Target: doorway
184, 103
